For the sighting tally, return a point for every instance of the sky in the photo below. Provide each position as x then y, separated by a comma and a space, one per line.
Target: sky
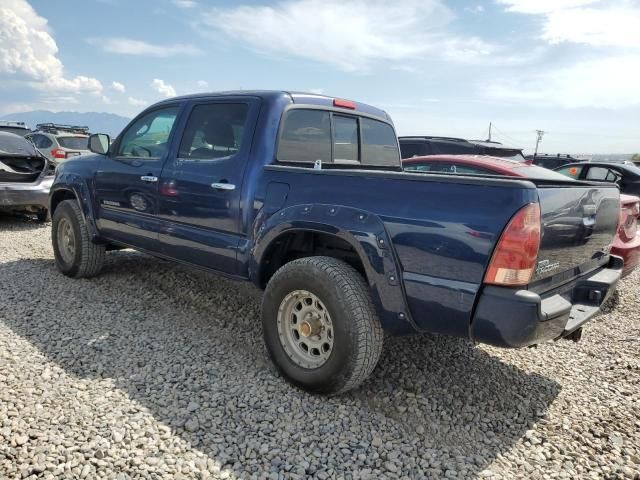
568, 67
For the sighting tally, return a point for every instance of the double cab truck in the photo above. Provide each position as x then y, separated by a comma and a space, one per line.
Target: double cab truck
304, 196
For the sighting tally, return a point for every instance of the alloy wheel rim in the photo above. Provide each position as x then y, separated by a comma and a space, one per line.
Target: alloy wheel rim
305, 329
66, 240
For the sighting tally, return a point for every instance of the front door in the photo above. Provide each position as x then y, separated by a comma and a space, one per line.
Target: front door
201, 184
127, 180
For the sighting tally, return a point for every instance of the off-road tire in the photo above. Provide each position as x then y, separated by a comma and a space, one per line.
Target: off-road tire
358, 335
89, 256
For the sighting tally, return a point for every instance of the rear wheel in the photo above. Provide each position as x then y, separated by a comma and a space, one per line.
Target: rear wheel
320, 325
76, 256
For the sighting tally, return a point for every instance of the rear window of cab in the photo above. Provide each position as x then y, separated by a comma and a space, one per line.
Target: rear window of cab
308, 135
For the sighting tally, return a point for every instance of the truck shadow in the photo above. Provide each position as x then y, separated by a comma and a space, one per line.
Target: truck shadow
19, 221
187, 347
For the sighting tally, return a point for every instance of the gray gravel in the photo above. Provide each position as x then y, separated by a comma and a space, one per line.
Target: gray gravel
156, 371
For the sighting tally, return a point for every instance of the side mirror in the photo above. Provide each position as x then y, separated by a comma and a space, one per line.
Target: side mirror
99, 143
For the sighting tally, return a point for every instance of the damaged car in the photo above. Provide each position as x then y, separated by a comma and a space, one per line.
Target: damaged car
25, 177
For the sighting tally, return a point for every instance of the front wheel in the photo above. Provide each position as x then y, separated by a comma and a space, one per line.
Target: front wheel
76, 255
320, 325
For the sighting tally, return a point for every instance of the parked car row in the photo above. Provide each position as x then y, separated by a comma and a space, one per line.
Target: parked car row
305, 195
60, 142
427, 145
626, 243
28, 159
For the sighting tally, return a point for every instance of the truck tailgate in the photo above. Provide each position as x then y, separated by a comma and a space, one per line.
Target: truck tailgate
578, 225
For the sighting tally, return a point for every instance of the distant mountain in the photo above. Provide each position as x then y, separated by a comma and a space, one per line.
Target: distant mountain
98, 122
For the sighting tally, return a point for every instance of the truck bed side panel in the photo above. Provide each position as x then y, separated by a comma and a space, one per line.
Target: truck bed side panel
442, 230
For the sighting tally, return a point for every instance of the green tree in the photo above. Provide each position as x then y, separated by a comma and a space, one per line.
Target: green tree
635, 158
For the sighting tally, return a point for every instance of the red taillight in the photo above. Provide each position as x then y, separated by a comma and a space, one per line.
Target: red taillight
58, 153
344, 103
514, 258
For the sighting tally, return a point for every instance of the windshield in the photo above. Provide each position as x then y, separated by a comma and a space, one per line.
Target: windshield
75, 143
11, 144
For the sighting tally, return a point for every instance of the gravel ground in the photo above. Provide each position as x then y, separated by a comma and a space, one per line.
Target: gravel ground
156, 371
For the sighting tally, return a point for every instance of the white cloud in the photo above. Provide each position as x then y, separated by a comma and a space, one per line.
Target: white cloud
349, 35
16, 108
543, 6
27, 49
590, 22
203, 84
136, 102
59, 100
607, 78
118, 87
614, 27
128, 46
185, 3
609, 83
317, 91
162, 88
475, 9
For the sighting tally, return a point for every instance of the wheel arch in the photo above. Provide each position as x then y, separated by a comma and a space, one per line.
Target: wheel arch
349, 234
74, 187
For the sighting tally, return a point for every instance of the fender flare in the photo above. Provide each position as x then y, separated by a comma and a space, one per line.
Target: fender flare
76, 185
362, 230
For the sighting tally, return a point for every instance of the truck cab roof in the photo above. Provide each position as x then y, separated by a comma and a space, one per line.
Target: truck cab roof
304, 98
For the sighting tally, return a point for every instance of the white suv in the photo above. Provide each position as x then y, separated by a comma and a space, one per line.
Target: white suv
60, 142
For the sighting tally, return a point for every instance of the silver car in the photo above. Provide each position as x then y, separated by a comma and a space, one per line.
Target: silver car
60, 142
25, 177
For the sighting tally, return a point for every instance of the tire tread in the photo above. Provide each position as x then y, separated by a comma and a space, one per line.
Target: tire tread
369, 334
92, 255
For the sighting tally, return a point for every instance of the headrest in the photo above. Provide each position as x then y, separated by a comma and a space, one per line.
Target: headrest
219, 133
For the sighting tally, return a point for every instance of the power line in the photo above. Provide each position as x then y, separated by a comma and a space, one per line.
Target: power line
511, 139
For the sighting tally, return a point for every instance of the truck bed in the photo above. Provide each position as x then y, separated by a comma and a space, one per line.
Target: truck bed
443, 229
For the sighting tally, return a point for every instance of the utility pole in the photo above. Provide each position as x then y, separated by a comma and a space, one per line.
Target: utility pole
540, 133
489, 139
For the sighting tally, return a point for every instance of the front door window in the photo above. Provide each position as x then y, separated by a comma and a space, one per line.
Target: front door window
148, 137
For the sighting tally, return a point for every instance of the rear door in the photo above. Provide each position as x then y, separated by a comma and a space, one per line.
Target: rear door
126, 182
201, 183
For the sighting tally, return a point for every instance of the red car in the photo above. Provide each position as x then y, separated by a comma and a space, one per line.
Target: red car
626, 244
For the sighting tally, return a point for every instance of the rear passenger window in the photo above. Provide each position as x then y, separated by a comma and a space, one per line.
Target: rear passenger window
40, 141
423, 167
379, 143
306, 137
466, 169
345, 139
573, 172
214, 131
602, 174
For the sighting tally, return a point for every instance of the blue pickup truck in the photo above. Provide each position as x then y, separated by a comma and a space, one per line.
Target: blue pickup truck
304, 196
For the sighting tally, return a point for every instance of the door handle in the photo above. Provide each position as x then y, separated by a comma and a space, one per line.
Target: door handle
148, 178
223, 186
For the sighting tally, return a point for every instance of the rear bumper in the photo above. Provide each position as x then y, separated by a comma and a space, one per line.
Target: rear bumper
629, 251
517, 318
17, 195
